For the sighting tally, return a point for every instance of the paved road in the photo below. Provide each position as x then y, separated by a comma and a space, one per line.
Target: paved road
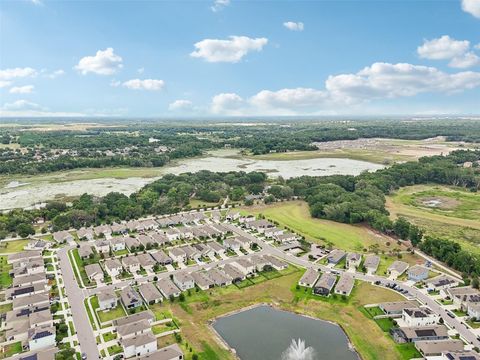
75, 296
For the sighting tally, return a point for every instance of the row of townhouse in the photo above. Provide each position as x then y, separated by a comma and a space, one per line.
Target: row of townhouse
268, 229
30, 321
465, 298
323, 284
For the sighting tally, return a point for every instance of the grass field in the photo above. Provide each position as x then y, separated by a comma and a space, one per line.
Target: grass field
455, 219
193, 315
296, 216
5, 278
8, 247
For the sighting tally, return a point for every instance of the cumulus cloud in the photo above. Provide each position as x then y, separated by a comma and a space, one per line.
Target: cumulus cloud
4, 83
219, 5
378, 81
104, 62
15, 73
21, 105
26, 89
472, 7
446, 48
231, 50
145, 84
294, 26
229, 103
179, 105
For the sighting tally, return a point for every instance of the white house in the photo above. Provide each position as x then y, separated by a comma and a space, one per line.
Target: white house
41, 337
113, 267
184, 281
131, 263
94, 273
107, 299
177, 255
139, 345
62, 237
117, 243
102, 246
309, 278
419, 317
232, 244
353, 260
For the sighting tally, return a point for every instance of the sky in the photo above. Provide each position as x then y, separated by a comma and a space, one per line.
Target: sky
221, 58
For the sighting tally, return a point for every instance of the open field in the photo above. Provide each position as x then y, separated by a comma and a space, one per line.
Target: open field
454, 217
199, 308
296, 216
381, 151
8, 247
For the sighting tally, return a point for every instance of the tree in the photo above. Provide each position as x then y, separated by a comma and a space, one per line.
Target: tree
25, 229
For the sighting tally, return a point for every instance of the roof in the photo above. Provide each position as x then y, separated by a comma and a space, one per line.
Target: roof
44, 354
28, 279
139, 340
442, 280
93, 269
129, 296
133, 327
412, 332
417, 270
233, 272
40, 332
310, 277
130, 260
461, 355
215, 246
336, 255
354, 257
85, 250
167, 287
371, 261
150, 292
438, 346
217, 276
145, 260
160, 256
182, 278
275, 261
147, 315
167, 353
398, 266
327, 280
106, 295
397, 306
201, 279
345, 284
24, 255
176, 252
418, 312
31, 300
113, 264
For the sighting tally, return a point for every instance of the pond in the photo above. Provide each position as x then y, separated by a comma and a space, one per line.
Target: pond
23, 194
265, 333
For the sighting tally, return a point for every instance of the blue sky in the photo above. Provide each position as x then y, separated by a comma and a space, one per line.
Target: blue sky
218, 58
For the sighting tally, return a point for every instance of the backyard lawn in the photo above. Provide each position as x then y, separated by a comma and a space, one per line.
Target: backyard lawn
8, 247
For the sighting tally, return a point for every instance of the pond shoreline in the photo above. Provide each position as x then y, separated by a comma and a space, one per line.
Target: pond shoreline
222, 342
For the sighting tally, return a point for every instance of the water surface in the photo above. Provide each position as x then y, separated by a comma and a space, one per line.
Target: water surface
264, 333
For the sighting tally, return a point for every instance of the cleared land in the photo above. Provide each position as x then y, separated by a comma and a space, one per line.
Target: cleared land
14, 246
199, 308
445, 212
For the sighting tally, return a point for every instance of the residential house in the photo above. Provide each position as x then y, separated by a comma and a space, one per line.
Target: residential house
259, 262
146, 241
168, 288
102, 246
139, 345
259, 225
285, 237
216, 247
172, 234
419, 317
245, 242
335, 256
232, 244
117, 244
420, 333
441, 282
94, 273
245, 266
190, 252
33, 279
353, 260
345, 284
397, 268
309, 278
113, 267
132, 243
161, 258
130, 298
35, 300
234, 273
150, 293
232, 215
246, 219
131, 263
107, 299
430, 349
38, 245
159, 238
171, 352
119, 228
395, 308
371, 263
85, 234
460, 355
325, 284
146, 261
85, 251
24, 257
132, 319
275, 262
62, 237
177, 255
26, 290
272, 232
417, 273
218, 277
202, 281
102, 230
473, 311
41, 337
184, 281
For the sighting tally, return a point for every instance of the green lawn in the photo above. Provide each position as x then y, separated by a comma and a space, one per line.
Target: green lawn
408, 351
109, 336
115, 349
11, 350
5, 278
107, 315
9, 247
121, 252
374, 311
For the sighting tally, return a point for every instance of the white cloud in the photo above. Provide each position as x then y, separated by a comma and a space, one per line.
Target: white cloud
141, 70
21, 105
378, 81
37, 2
294, 26
26, 89
10, 74
55, 74
446, 48
443, 48
472, 7
227, 103
467, 60
180, 104
146, 84
4, 83
219, 5
104, 62
232, 50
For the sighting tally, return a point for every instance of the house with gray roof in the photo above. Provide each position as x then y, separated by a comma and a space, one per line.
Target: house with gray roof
353, 260
161, 258
202, 281
85, 234
94, 273
113, 267
309, 278
325, 284
84, 251
183, 281
146, 261
218, 277
171, 352
335, 256
107, 299
417, 273
62, 237
118, 243
371, 263
234, 273
150, 293
168, 288
177, 255
130, 298
275, 262
441, 282
131, 263
344, 285
397, 268
132, 243
436, 348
